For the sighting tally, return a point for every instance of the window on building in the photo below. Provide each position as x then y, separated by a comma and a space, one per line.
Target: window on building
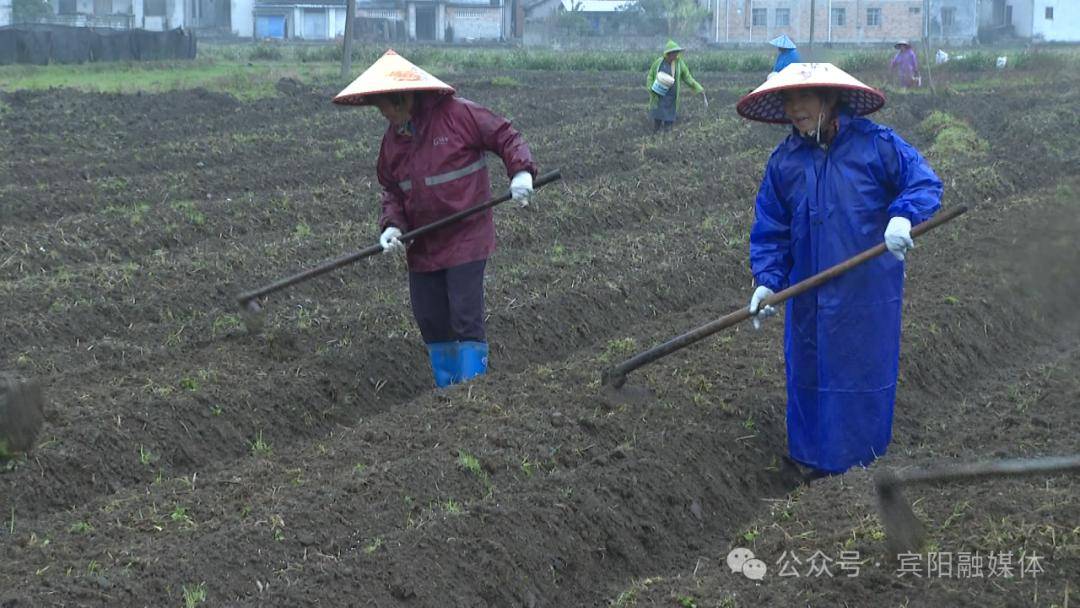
154, 8
67, 7
914, 10
783, 17
760, 17
839, 17
873, 16
948, 17
1050, 13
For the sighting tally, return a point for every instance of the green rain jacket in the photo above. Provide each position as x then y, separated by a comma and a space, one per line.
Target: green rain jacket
681, 69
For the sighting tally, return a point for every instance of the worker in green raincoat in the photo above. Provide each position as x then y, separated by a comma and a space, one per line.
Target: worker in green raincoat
666, 76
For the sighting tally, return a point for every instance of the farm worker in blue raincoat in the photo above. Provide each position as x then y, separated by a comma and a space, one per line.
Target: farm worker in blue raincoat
836, 186
786, 53
432, 164
666, 78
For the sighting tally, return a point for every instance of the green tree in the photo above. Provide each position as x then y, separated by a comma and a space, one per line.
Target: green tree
29, 10
573, 21
681, 16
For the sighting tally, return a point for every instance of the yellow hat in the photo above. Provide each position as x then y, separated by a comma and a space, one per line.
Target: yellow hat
766, 103
392, 73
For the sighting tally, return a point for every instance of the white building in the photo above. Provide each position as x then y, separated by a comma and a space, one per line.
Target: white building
443, 21
155, 15
420, 20
747, 22
292, 19
1047, 20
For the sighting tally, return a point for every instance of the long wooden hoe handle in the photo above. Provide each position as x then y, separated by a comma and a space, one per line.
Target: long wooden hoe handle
333, 264
987, 468
616, 376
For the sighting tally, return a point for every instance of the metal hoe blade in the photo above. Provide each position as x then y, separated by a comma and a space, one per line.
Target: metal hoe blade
21, 415
905, 533
253, 316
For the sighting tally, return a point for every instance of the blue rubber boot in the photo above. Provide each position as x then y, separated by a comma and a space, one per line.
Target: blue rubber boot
444, 362
472, 360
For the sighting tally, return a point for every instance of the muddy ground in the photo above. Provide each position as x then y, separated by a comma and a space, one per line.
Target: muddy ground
185, 459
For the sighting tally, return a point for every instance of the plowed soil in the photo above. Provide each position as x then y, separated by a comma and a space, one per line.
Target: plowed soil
311, 464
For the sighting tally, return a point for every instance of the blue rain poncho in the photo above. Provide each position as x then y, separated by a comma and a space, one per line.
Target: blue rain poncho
785, 58
816, 208
787, 54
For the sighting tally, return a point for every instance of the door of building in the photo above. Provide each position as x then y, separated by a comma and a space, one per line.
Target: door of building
270, 26
425, 23
314, 24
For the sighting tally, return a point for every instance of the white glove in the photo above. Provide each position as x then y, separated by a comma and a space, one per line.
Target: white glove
521, 188
760, 294
898, 237
389, 240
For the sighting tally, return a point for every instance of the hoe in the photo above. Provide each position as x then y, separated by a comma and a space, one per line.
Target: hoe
904, 532
248, 301
615, 378
20, 415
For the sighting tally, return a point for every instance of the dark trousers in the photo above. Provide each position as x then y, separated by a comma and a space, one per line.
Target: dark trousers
449, 304
662, 125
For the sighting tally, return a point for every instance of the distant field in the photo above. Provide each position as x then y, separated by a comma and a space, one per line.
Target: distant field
187, 461
250, 71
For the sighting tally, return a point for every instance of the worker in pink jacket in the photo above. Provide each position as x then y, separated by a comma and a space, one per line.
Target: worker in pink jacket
905, 65
432, 164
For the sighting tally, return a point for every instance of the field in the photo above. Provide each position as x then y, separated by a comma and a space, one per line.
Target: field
186, 461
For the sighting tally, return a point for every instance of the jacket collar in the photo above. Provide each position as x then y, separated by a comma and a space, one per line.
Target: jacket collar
425, 104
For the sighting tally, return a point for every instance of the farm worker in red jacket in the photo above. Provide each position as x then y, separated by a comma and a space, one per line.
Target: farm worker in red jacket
837, 185
431, 165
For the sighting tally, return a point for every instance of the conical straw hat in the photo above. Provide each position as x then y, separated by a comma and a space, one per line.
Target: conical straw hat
783, 41
392, 73
766, 104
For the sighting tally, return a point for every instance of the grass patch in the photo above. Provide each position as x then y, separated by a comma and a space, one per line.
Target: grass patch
302, 231
81, 527
619, 348
251, 71
226, 323
505, 81
259, 446
194, 595
190, 212
134, 213
861, 61
373, 545
953, 138
471, 464
146, 457
629, 596
242, 79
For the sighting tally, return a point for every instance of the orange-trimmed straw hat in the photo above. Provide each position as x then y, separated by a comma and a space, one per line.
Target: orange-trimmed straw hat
391, 73
766, 104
